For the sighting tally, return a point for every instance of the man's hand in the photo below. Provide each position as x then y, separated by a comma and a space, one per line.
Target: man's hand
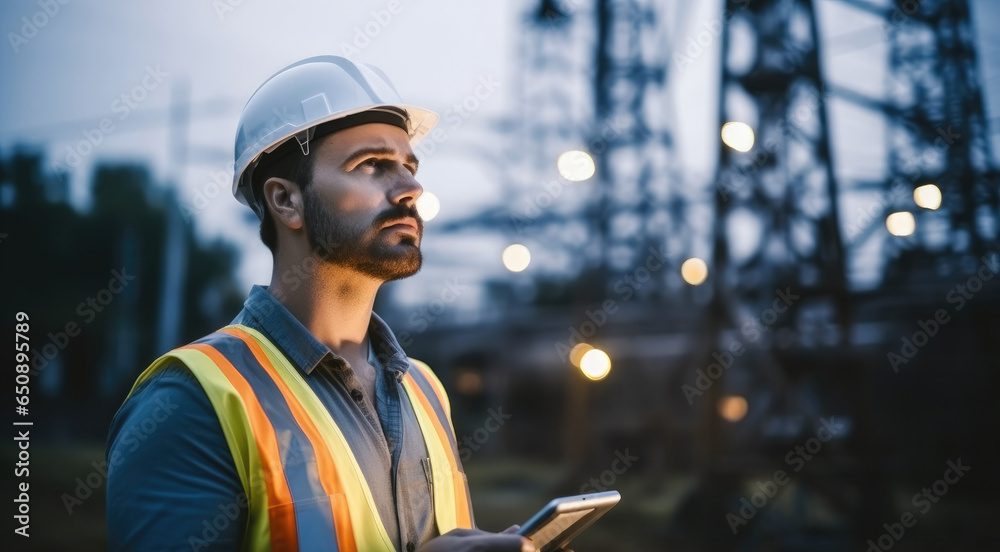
481, 541
474, 540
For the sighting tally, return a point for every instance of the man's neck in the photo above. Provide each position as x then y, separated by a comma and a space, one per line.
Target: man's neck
333, 303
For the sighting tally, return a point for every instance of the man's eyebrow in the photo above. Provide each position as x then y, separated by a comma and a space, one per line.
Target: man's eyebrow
380, 151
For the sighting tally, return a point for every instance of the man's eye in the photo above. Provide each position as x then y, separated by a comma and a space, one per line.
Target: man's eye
370, 162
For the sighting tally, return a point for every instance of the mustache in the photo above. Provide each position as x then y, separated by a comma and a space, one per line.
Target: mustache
396, 213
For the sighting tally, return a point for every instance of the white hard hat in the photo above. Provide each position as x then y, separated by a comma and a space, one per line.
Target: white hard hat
293, 102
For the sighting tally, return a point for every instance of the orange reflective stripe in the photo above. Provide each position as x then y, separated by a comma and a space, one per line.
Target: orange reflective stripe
463, 515
435, 385
282, 520
328, 475
269, 379
426, 385
462, 503
462, 500
436, 388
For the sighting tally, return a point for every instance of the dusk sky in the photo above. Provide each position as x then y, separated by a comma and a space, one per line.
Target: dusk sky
62, 78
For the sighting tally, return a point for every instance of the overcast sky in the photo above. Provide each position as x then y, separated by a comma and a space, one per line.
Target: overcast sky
64, 76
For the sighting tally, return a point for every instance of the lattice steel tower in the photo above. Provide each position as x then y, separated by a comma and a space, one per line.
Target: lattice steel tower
778, 257
642, 203
595, 79
777, 220
938, 134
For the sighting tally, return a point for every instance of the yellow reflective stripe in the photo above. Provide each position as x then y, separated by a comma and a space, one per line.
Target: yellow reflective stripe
450, 445
448, 512
451, 501
302, 528
232, 415
368, 529
438, 387
444, 484
283, 523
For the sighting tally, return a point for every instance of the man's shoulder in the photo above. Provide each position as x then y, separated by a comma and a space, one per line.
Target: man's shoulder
425, 370
172, 373
169, 398
167, 442
422, 370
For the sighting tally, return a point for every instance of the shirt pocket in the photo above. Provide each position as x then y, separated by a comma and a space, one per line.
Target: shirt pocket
429, 477
459, 481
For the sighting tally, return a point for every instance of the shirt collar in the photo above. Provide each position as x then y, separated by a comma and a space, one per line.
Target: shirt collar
263, 312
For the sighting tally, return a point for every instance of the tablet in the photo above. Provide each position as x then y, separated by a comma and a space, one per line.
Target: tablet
562, 519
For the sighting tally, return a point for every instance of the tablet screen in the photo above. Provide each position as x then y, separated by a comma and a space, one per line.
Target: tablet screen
562, 519
551, 531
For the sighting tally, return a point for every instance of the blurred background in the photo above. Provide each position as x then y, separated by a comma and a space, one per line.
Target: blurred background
735, 259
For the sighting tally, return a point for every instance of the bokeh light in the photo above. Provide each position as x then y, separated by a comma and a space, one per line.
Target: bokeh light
469, 382
738, 136
516, 257
733, 408
595, 364
428, 206
901, 223
577, 352
694, 271
576, 165
927, 196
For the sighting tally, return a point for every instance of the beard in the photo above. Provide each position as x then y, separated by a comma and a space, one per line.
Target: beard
365, 249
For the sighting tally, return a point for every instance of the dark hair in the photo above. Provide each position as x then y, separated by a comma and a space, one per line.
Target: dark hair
293, 166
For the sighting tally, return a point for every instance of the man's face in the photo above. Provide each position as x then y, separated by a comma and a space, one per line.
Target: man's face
359, 209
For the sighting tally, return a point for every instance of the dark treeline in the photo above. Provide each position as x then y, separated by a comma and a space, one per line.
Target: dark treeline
92, 281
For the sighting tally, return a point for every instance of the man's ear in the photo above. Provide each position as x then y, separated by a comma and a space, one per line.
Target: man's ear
284, 198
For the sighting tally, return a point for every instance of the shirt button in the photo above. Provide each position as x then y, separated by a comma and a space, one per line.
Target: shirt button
410, 547
357, 395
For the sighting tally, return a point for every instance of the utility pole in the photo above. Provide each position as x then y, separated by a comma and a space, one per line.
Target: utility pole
175, 250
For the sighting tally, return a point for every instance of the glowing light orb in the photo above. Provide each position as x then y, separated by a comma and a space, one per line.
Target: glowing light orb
428, 206
576, 165
901, 223
577, 352
927, 196
733, 408
738, 136
595, 364
694, 271
516, 257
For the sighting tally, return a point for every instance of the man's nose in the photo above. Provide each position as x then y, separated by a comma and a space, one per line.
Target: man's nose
406, 190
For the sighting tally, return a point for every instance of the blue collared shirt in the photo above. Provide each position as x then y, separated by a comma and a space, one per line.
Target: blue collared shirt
172, 481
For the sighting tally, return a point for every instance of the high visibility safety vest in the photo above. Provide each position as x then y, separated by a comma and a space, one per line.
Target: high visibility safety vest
304, 486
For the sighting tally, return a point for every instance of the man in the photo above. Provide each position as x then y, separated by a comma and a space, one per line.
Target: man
303, 425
